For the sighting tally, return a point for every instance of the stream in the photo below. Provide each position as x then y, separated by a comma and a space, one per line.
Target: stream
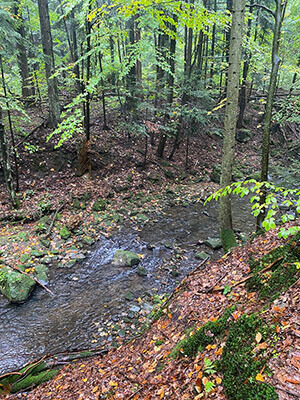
90, 296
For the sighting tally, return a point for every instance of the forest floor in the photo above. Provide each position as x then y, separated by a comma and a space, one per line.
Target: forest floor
142, 369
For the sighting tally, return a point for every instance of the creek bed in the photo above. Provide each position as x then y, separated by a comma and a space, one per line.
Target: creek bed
92, 292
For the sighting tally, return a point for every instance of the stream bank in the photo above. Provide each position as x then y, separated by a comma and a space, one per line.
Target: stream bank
98, 304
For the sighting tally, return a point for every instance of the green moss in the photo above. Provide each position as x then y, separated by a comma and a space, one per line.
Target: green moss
201, 337
283, 273
228, 239
157, 314
33, 380
240, 365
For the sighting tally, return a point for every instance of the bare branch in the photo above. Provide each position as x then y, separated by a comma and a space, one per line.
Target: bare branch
264, 8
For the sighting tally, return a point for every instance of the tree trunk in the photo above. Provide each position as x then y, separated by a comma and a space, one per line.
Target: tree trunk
6, 165
213, 44
88, 73
131, 75
54, 108
27, 92
278, 16
235, 50
243, 92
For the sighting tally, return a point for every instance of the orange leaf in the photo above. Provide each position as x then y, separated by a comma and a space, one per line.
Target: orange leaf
95, 389
218, 380
294, 381
260, 378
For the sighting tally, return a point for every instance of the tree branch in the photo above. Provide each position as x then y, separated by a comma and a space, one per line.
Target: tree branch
264, 8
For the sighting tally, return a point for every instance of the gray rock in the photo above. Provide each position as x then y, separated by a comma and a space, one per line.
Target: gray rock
135, 308
213, 243
41, 273
15, 286
123, 258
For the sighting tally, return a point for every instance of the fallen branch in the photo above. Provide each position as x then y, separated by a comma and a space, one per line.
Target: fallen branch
48, 233
249, 276
31, 133
33, 278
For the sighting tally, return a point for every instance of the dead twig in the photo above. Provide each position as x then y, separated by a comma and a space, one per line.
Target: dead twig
48, 233
249, 276
33, 278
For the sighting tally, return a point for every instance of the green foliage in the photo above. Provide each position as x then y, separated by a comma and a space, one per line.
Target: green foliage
71, 122
274, 194
240, 364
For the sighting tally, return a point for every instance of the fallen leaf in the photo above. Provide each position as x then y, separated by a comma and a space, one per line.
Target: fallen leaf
258, 337
260, 378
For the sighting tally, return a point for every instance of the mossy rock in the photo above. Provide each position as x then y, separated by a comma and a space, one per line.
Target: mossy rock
228, 239
37, 253
99, 205
64, 233
46, 243
201, 255
88, 240
24, 258
213, 243
141, 271
41, 273
14, 286
123, 258
215, 176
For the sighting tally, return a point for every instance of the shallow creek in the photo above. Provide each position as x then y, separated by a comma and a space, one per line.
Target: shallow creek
93, 291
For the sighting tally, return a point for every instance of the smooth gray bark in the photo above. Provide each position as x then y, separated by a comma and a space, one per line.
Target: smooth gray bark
231, 111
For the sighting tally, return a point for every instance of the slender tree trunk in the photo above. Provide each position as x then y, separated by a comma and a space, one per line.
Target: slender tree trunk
27, 92
235, 50
243, 92
88, 73
105, 126
73, 29
213, 43
6, 165
54, 107
10, 126
131, 76
294, 77
278, 16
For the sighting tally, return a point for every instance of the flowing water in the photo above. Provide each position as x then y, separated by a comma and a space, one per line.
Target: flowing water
92, 292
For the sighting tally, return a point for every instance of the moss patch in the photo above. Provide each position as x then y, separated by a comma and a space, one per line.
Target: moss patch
284, 271
240, 363
201, 337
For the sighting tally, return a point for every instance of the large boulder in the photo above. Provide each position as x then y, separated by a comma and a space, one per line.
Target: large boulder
123, 258
15, 286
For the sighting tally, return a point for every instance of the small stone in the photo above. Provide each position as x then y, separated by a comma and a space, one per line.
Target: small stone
129, 296
201, 255
213, 243
64, 233
141, 271
135, 308
123, 258
88, 240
